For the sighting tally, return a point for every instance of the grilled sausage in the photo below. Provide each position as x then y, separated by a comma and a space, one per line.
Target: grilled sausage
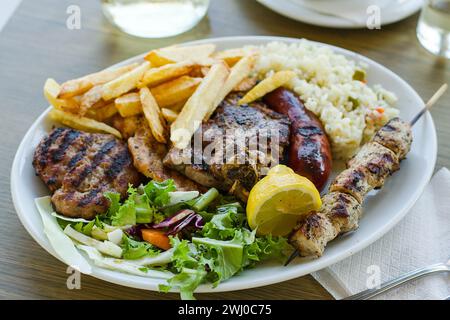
309, 150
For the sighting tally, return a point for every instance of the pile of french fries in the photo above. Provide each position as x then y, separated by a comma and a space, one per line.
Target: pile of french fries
174, 88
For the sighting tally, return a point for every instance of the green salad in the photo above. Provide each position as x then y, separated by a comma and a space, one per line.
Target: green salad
183, 238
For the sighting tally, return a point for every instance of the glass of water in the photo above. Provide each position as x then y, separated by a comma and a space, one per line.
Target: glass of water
155, 18
433, 29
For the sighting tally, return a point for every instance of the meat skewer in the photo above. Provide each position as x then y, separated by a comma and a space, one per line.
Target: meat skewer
367, 170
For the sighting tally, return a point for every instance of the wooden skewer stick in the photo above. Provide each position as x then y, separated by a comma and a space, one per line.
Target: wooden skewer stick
294, 255
427, 107
430, 103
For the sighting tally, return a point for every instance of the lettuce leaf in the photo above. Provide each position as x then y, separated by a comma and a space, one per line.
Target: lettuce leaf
224, 258
85, 228
191, 271
141, 205
159, 192
265, 248
183, 254
114, 203
187, 280
126, 215
133, 250
223, 248
224, 224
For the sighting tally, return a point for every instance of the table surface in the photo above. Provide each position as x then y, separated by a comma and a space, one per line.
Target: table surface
36, 44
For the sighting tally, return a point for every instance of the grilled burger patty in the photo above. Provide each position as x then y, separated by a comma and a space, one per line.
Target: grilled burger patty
80, 167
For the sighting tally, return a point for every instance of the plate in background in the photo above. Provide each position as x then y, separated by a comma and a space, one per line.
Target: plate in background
398, 10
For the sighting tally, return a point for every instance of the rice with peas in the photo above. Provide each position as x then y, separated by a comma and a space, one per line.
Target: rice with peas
350, 110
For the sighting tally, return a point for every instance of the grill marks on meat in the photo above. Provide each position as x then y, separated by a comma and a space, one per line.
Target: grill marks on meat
148, 157
80, 167
339, 213
342, 207
239, 127
367, 170
53, 155
396, 135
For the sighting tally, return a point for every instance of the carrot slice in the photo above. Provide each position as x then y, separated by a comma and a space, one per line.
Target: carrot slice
157, 238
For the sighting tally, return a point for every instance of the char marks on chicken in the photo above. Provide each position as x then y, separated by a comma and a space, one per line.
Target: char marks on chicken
341, 207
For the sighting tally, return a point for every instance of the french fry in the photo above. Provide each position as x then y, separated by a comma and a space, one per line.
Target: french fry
51, 93
269, 84
163, 56
200, 71
198, 106
102, 114
152, 113
125, 83
232, 56
175, 91
239, 72
100, 104
169, 115
92, 97
177, 106
156, 76
82, 123
79, 86
129, 104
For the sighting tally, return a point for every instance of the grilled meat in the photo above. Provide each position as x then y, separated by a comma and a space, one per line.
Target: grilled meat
127, 126
235, 146
309, 148
148, 157
80, 167
341, 208
367, 170
339, 213
396, 135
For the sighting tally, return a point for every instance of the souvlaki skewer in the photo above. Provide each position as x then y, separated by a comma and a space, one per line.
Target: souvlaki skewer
367, 170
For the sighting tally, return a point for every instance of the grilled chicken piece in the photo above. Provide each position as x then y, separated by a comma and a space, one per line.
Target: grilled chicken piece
240, 127
127, 126
339, 213
148, 157
312, 234
80, 167
341, 208
367, 170
396, 135
352, 181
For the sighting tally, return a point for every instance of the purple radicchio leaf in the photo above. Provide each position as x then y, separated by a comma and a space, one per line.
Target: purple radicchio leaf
199, 222
183, 224
175, 219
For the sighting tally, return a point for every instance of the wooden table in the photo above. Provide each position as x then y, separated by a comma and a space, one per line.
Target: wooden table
36, 44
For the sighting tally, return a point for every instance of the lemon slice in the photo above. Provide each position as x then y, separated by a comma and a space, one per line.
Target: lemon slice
277, 201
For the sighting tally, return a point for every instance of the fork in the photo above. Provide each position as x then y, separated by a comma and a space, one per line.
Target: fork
413, 275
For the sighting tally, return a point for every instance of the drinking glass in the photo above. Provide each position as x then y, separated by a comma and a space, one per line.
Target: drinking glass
155, 18
433, 29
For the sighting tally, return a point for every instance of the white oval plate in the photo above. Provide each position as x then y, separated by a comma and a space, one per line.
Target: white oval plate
382, 211
396, 11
